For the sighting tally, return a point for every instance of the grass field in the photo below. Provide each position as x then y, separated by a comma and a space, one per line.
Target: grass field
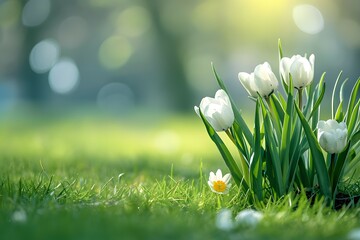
82, 176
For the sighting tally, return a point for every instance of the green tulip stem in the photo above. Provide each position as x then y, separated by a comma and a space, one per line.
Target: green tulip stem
332, 167
300, 90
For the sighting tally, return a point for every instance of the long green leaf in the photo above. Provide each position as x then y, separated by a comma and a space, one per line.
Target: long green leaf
256, 162
225, 153
319, 161
339, 168
272, 149
339, 115
318, 101
286, 135
333, 95
353, 96
353, 118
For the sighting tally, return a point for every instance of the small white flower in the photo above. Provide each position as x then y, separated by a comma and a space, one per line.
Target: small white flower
332, 136
224, 220
218, 183
248, 217
217, 111
300, 68
19, 216
354, 234
262, 81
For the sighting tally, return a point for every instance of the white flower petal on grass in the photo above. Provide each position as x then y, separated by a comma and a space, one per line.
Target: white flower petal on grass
354, 234
218, 183
19, 216
248, 217
224, 220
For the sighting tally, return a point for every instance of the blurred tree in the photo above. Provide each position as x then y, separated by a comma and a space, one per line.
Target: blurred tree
178, 93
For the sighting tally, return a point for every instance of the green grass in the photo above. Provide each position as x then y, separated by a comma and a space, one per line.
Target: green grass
89, 177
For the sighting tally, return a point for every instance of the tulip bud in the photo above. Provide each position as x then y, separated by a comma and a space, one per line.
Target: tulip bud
332, 136
262, 81
300, 68
217, 111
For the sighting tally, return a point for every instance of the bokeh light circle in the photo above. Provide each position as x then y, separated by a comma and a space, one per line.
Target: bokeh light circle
35, 12
64, 76
308, 18
114, 52
115, 97
44, 55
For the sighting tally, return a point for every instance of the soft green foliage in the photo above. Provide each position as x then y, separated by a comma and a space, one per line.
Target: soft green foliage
283, 154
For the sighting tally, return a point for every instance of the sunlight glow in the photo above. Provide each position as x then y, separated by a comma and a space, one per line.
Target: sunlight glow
308, 18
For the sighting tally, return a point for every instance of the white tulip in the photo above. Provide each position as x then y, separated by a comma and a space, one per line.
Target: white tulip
262, 81
217, 111
332, 135
247, 80
300, 68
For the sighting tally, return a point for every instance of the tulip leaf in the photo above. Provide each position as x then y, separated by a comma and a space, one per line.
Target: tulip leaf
272, 150
352, 99
238, 118
239, 139
318, 158
280, 49
333, 95
277, 107
286, 134
256, 162
225, 153
339, 116
342, 90
353, 118
318, 100
339, 168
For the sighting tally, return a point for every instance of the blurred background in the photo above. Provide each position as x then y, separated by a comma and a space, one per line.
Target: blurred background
137, 61
122, 55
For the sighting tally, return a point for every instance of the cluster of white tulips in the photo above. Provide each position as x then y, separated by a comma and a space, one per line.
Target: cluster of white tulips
282, 150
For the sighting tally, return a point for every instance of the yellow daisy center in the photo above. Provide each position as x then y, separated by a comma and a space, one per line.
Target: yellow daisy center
219, 186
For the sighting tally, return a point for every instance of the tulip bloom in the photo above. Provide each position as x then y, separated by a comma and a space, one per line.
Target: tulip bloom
332, 136
300, 68
217, 111
262, 81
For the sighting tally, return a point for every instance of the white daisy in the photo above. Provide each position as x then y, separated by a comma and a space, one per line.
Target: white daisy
219, 183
